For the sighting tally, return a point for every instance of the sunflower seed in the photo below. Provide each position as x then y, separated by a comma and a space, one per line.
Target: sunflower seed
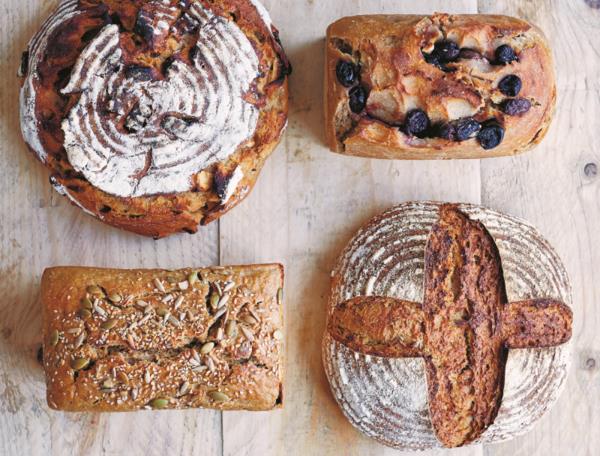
174, 321
144, 319
86, 303
166, 318
130, 341
159, 285
280, 296
183, 285
190, 315
80, 339
228, 287
182, 316
95, 290
147, 376
134, 393
196, 357
109, 324
142, 304
162, 311
54, 336
148, 310
99, 310
108, 383
199, 368
278, 335
247, 333
231, 328
168, 298
159, 403
223, 301
211, 364
217, 287
74, 330
84, 314
218, 396
115, 298
220, 334
178, 302
80, 363
207, 348
220, 313
184, 389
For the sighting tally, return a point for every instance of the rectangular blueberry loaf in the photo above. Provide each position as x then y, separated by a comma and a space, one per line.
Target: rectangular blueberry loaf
123, 340
436, 87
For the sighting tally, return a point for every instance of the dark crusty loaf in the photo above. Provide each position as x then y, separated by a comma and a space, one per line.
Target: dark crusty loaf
157, 115
463, 330
440, 86
122, 340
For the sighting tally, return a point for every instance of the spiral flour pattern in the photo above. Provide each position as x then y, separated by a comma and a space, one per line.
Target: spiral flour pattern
132, 135
387, 398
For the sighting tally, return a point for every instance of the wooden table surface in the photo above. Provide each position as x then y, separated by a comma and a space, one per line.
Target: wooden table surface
305, 207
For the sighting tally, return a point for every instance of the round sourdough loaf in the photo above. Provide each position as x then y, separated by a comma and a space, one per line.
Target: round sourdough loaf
158, 115
387, 398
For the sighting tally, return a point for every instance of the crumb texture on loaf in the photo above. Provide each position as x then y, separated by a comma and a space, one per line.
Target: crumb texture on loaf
387, 398
440, 86
141, 114
123, 340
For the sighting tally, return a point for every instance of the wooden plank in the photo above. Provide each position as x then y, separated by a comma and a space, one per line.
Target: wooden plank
556, 188
38, 228
306, 206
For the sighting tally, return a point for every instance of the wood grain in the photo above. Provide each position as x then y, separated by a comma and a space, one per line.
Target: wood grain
306, 206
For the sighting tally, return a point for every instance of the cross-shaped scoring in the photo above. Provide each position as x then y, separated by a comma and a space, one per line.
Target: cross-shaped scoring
463, 329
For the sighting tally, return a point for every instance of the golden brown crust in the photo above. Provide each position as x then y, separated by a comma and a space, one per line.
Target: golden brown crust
162, 214
122, 340
389, 50
536, 323
379, 326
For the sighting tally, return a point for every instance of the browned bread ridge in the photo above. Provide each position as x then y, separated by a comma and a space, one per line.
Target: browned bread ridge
463, 330
124, 340
171, 75
450, 67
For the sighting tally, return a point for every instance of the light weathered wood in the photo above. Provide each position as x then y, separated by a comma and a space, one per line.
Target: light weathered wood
305, 207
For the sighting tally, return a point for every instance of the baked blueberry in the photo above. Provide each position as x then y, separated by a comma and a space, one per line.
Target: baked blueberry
446, 131
466, 128
358, 98
416, 122
516, 106
347, 73
447, 51
505, 54
510, 85
490, 135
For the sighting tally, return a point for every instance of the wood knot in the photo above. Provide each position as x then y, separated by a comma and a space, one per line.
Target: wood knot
591, 169
591, 364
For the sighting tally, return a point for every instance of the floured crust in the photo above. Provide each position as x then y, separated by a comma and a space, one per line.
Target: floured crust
213, 190
389, 50
163, 339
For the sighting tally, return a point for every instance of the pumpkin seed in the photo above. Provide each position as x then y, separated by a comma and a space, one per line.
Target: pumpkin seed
231, 328
54, 336
84, 314
159, 403
218, 396
193, 278
214, 300
95, 290
109, 383
278, 335
115, 298
207, 348
123, 378
109, 324
80, 363
162, 311
280, 296
86, 303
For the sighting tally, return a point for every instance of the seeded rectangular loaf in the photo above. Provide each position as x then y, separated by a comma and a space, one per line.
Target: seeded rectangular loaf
124, 340
436, 87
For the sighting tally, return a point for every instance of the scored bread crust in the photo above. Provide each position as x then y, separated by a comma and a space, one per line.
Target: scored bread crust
152, 344
389, 48
56, 49
384, 266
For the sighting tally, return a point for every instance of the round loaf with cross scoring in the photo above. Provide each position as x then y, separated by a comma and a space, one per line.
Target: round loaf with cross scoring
155, 115
386, 398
